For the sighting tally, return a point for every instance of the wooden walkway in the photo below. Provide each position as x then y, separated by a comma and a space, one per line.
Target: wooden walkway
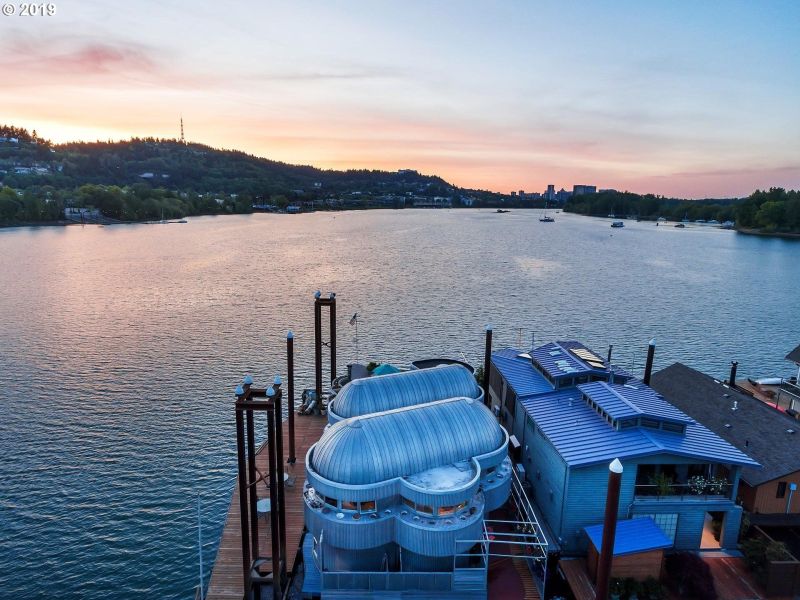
226, 576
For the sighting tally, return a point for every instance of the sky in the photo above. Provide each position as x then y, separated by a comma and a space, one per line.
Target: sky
689, 99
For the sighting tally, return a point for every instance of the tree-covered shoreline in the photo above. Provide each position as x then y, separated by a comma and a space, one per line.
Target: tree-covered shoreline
147, 179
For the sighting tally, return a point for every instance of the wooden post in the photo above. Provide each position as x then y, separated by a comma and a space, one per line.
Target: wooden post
487, 366
609, 530
648, 367
732, 379
251, 478
318, 346
242, 469
273, 513
290, 369
332, 343
279, 476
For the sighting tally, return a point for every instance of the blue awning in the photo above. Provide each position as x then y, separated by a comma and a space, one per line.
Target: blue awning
632, 536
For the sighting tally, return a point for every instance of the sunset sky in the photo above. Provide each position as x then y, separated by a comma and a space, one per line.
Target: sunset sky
690, 99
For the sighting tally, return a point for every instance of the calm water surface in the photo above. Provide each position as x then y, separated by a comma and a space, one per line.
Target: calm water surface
120, 348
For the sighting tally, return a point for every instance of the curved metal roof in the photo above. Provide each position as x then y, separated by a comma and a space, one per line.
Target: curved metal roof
398, 390
396, 443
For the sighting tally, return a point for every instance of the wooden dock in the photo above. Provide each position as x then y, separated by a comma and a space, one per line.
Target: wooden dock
226, 576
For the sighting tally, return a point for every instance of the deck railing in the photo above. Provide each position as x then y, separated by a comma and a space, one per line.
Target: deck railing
374, 581
684, 491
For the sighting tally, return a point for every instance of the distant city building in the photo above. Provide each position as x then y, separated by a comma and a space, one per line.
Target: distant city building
522, 193
612, 190
579, 190
563, 195
513, 193
550, 194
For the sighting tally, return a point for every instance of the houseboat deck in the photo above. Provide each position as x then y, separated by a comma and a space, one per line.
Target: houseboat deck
226, 576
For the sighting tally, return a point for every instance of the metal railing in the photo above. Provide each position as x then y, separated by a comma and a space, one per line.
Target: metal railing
683, 491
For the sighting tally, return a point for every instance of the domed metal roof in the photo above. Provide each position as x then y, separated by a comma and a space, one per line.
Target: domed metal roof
402, 442
387, 392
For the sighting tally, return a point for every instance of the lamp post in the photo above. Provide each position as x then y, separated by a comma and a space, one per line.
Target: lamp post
487, 366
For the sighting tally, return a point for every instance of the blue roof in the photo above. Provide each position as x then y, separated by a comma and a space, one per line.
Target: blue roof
583, 437
633, 535
519, 373
396, 390
406, 441
632, 399
385, 369
557, 359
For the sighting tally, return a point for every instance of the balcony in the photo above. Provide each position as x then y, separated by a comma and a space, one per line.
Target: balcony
708, 489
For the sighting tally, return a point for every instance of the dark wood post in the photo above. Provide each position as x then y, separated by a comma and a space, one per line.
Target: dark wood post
318, 346
333, 335
648, 367
242, 469
279, 476
487, 366
251, 478
609, 530
290, 369
732, 379
273, 513
608, 360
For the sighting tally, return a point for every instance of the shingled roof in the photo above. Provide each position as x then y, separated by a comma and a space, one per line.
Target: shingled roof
794, 355
760, 431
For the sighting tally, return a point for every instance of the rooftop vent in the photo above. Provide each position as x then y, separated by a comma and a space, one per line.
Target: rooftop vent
735, 405
790, 431
727, 425
524, 355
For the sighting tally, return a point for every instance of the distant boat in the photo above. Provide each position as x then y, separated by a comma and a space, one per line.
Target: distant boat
546, 219
618, 224
685, 218
727, 225
612, 216
661, 219
680, 225
503, 210
182, 221
713, 222
700, 221
163, 221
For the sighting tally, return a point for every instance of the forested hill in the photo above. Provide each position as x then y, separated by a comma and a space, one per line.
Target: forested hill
173, 165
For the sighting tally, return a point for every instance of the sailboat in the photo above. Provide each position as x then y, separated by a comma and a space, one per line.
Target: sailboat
163, 221
544, 218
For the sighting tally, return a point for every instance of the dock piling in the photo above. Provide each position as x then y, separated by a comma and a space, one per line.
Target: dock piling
648, 367
487, 366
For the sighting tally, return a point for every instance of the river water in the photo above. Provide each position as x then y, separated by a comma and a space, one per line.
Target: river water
120, 348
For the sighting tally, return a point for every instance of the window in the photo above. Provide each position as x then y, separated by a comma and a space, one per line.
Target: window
627, 423
668, 522
490, 470
346, 505
332, 501
650, 423
781, 490
674, 427
446, 511
368, 506
581, 379
422, 508
409, 503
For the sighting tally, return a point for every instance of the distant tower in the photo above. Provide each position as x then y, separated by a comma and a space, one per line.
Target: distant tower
183, 140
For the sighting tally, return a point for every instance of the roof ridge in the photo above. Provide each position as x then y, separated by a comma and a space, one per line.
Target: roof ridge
621, 397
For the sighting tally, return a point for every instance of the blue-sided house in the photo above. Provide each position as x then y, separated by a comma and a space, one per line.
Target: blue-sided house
571, 414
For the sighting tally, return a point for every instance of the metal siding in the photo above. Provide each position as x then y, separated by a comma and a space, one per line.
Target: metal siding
519, 373
546, 473
408, 388
402, 442
582, 437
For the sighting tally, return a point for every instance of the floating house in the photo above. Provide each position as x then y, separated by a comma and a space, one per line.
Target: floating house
571, 413
770, 436
398, 390
398, 487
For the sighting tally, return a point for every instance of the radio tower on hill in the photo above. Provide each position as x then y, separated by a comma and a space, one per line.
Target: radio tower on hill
183, 140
